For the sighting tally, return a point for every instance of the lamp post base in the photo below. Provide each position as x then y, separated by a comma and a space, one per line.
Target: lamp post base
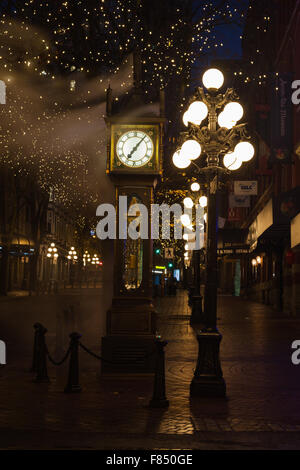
197, 313
208, 378
159, 403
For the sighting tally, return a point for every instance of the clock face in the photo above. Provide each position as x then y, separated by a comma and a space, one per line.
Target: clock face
135, 148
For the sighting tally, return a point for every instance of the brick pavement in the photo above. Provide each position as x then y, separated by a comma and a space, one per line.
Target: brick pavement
262, 409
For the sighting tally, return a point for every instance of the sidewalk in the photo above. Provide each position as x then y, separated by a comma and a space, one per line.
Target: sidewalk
262, 409
19, 313
77, 288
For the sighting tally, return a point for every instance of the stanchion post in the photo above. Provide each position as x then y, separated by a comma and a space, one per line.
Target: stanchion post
73, 376
159, 391
41, 362
36, 327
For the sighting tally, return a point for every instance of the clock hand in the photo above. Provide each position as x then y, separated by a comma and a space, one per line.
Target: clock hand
135, 148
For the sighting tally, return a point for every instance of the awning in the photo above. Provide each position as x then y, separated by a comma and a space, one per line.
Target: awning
232, 241
295, 231
273, 222
19, 240
263, 221
19, 243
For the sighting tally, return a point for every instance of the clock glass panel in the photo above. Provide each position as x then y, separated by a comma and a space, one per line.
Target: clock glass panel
135, 148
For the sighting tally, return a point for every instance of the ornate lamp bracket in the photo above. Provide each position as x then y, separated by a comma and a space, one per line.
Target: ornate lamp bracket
215, 101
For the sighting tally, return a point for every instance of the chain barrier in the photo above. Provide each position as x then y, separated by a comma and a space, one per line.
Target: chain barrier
92, 353
41, 354
58, 363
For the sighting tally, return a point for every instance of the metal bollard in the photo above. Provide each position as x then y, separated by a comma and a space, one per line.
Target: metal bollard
36, 327
73, 376
159, 391
41, 364
190, 295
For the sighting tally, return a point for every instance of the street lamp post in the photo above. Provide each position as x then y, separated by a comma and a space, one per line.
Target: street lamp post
220, 138
197, 310
72, 257
53, 255
196, 297
86, 258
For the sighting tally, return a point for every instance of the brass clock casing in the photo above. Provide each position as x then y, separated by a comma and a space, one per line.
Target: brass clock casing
131, 320
116, 166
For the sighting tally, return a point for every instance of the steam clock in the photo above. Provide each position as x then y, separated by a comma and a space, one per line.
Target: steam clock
134, 163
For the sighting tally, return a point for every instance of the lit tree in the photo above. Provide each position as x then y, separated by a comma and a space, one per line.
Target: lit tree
170, 196
88, 38
35, 161
42, 41
96, 35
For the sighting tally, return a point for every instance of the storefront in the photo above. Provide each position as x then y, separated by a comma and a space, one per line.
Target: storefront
272, 261
17, 259
232, 249
295, 263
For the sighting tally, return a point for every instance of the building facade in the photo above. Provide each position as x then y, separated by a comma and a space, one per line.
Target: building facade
38, 233
270, 273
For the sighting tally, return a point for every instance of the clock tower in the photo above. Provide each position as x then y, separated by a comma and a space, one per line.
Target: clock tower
134, 164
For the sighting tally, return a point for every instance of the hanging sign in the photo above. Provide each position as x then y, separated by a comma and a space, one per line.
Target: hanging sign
239, 201
234, 214
281, 119
245, 188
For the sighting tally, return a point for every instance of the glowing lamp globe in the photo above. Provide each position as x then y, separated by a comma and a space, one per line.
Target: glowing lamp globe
232, 161
194, 120
195, 186
190, 149
245, 151
234, 111
185, 220
186, 118
180, 161
225, 121
213, 78
197, 112
203, 201
188, 202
